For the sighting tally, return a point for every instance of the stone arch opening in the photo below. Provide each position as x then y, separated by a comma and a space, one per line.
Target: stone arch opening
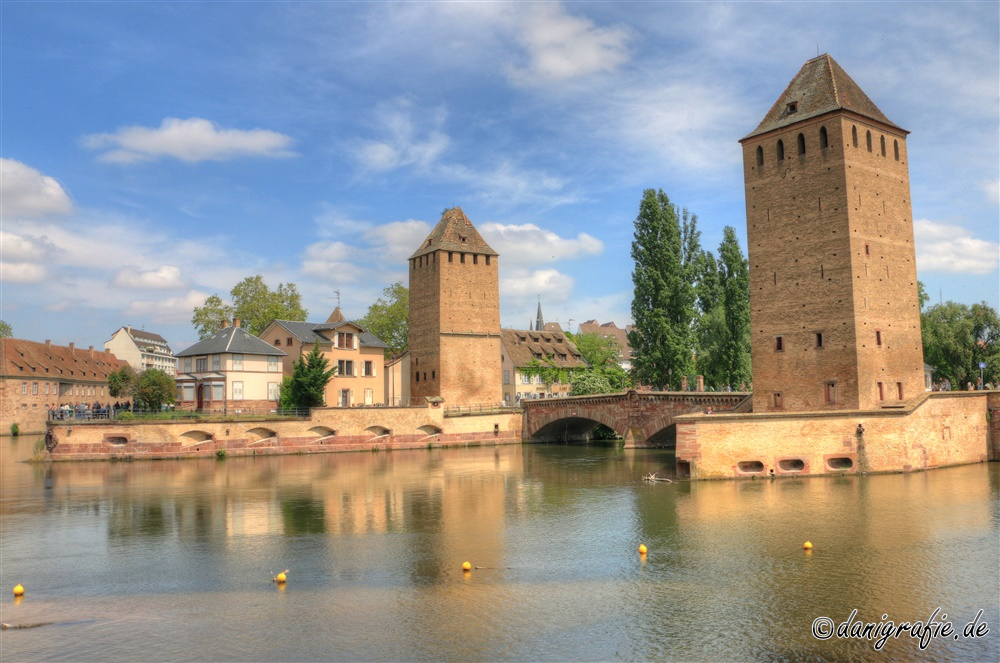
378, 431
194, 437
322, 431
261, 433
430, 429
570, 428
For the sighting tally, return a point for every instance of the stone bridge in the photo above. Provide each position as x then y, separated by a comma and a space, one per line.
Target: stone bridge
643, 418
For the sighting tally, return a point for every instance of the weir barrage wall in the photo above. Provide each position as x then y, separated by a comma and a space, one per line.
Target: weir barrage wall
327, 430
937, 429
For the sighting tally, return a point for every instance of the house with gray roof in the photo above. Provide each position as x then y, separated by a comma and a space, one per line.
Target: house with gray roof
357, 354
231, 372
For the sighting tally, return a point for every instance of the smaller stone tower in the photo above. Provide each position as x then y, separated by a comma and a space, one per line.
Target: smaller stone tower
455, 315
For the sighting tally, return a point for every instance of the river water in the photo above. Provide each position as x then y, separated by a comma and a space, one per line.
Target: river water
173, 560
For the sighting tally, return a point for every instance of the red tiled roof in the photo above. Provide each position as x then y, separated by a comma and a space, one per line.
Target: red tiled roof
454, 232
523, 346
30, 359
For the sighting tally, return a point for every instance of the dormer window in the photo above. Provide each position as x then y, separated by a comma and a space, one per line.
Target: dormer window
793, 107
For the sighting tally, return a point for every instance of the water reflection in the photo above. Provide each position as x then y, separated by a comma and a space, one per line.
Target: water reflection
375, 543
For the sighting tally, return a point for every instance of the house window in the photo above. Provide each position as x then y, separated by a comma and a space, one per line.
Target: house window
288, 341
218, 392
369, 369
188, 392
202, 363
878, 338
34, 388
776, 400
237, 391
237, 362
345, 368
216, 362
525, 378
369, 397
277, 342
779, 343
24, 387
506, 377
187, 364
819, 340
272, 391
272, 364
47, 385
830, 392
345, 340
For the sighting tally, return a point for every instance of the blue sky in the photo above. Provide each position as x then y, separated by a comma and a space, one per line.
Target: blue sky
155, 153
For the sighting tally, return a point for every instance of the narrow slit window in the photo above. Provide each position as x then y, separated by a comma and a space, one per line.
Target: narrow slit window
895, 149
824, 140
779, 344
882, 141
881, 391
854, 136
868, 139
781, 150
760, 156
819, 340
801, 140
878, 338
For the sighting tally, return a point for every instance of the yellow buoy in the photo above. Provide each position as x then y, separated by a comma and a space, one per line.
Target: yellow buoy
466, 566
807, 545
18, 589
642, 549
281, 577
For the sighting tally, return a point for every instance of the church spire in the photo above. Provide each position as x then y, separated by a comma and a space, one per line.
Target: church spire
539, 320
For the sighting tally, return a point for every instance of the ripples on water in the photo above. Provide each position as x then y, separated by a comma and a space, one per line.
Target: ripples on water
172, 560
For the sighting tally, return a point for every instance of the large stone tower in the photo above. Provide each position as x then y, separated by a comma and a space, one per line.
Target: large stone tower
455, 315
833, 284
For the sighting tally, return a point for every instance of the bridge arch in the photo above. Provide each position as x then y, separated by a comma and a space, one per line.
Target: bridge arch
572, 422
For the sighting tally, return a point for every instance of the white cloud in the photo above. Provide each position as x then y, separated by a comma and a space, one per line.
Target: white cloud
25, 192
22, 272
405, 140
561, 47
992, 189
521, 284
943, 247
527, 244
330, 261
166, 277
394, 242
173, 310
190, 140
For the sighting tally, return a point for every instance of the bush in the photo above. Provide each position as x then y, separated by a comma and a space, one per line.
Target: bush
220, 454
15, 429
126, 416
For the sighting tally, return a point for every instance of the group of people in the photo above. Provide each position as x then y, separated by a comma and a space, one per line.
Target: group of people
70, 411
945, 385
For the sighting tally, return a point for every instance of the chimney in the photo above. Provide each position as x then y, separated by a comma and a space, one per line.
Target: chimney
129, 329
236, 322
72, 347
48, 344
92, 352
225, 323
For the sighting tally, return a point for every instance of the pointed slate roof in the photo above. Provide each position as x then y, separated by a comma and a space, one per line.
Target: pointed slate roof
821, 86
454, 232
231, 339
336, 316
539, 320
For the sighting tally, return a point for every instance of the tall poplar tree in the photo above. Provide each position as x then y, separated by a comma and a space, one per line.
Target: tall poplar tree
734, 274
663, 304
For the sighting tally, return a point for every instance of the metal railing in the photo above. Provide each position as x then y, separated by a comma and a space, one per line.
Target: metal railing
477, 408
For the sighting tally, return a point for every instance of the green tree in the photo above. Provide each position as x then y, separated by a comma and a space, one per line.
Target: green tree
389, 318
123, 383
154, 388
663, 306
957, 337
603, 355
254, 304
307, 386
734, 275
5, 330
590, 382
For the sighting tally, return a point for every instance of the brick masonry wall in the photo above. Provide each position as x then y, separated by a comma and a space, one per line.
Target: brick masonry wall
993, 403
810, 218
945, 428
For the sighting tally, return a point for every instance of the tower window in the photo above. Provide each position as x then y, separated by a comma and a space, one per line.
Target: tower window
899, 390
819, 340
793, 107
867, 250
895, 149
878, 338
433, 375
881, 391
802, 144
779, 343
776, 400
824, 141
781, 151
868, 139
475, 259
830, 392
461, 258
760, 156
854, 136
882, 140
449, 256
487, 260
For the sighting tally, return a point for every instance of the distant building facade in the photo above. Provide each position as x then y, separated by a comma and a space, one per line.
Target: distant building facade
37, 376
142, 350
397, 380
356, 354
611, 331
524, 352
454, 330
232, 371
834, 310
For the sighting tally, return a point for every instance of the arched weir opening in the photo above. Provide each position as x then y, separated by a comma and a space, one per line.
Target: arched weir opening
570, 429
430, 429
194, 437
